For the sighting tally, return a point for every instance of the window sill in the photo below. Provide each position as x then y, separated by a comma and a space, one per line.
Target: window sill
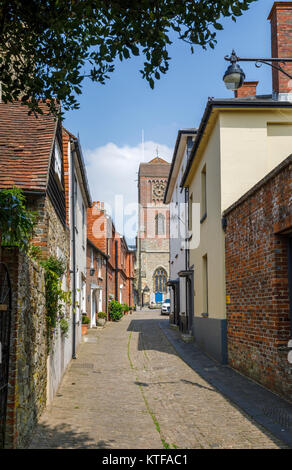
204, 217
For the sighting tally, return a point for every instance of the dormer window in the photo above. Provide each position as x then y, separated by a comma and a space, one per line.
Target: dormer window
58, 161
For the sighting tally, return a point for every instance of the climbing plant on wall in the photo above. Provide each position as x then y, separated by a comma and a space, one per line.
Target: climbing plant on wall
16, 221
56, 297
16, 229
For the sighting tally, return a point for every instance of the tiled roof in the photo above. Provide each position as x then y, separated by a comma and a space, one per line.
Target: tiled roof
157, 160
25, 147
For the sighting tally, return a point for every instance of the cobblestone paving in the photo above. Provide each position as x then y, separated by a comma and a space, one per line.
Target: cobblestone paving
128, 389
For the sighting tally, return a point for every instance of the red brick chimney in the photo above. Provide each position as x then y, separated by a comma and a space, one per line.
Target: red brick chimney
247, 89
281, 35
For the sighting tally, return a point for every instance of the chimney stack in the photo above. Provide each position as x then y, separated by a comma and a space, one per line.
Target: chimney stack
281, 36
247, 89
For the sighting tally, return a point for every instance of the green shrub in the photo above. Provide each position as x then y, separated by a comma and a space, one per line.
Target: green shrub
64, 326
85, 320
115, 310
126, 307
102, 315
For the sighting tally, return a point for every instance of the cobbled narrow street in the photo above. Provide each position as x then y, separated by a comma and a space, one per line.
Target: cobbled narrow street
129, 389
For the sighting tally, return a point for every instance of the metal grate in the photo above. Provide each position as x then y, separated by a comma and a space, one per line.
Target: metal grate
82, 365
280, 416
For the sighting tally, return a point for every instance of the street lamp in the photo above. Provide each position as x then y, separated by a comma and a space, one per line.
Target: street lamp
234, 75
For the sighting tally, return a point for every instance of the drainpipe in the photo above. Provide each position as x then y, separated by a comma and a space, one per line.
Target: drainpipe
116, 270
73, 252
129, 281
106, 275
139, 274
187, 227
187, 251
290, 279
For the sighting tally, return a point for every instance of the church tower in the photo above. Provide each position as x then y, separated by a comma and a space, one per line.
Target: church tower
153, 233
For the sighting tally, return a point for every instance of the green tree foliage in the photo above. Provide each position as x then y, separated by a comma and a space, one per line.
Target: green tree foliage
48, 47
16, 221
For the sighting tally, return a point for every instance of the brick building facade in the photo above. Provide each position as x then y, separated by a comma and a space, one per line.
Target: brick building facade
258, 277
112, 260
152, 271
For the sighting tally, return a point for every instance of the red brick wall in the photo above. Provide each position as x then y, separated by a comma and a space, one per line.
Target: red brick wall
95, 279
97, 226
258, 323
281, 36
97, 230
247, 89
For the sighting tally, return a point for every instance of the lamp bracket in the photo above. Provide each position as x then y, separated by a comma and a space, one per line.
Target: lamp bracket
273, 62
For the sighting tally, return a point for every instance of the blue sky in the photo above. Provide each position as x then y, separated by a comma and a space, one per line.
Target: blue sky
111, 117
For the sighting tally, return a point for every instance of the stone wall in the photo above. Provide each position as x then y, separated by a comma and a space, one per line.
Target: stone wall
28, 348
257, 281
34, 372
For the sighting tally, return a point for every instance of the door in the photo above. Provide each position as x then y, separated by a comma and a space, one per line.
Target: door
100, 301
93, 309
5, 323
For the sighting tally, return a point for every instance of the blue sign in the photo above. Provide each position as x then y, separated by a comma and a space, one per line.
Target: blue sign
158, 297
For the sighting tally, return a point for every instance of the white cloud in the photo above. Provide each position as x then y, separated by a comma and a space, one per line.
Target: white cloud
113, 171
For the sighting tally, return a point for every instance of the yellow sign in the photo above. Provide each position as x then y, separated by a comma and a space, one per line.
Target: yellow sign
228, 299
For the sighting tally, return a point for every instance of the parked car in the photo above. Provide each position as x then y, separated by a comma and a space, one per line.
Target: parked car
165, 307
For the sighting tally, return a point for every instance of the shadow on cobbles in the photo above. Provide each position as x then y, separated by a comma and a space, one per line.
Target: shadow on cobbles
146, 340
64, 437
188, 382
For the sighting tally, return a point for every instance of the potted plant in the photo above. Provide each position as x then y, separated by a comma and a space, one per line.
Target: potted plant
85, 323
126, 308
115, 310
101, 318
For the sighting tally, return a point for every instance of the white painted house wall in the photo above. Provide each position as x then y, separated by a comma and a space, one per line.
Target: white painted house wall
61, 354
178, 220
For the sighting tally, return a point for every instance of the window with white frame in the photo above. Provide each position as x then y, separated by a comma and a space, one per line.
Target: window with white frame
75, 201
58, 161
99, 266
83, 297
91, 258
83, 224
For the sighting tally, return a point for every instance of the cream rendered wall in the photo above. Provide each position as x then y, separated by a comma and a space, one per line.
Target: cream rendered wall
242, 148
177, 234
252, 144
211, 233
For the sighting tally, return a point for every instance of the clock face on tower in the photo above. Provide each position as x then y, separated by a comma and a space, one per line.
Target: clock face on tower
158, 190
